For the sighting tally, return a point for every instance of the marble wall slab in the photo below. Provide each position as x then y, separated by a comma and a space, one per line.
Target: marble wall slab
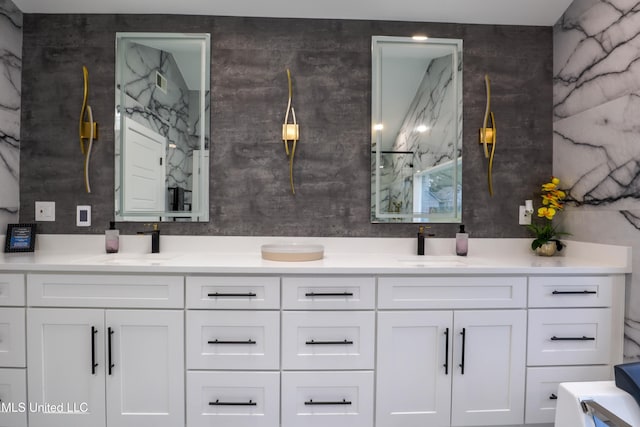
10, 89
596, 132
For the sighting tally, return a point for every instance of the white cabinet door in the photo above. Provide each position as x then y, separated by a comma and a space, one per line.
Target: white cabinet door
145, 384
12, 336
62, 346
327, 399
243, 340
489, 379
233, 399
328, 340
13, 398
414, 369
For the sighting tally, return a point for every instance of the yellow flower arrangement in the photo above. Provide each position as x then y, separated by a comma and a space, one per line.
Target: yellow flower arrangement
552, 203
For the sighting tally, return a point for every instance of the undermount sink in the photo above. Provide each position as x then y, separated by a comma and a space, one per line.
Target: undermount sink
432, 261
292, 252
128, 259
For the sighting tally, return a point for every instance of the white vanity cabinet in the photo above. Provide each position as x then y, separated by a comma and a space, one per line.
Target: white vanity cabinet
575, 334
233, 351
105, 366
13, 383
328, 351
323, 344
459, 367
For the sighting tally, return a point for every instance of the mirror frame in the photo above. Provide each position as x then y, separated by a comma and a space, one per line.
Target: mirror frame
377, 215
200, 203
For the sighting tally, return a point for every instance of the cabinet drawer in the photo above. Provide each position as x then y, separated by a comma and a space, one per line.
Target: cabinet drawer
102, 290
13, 394
12, 289
452, 292
579, 336
542, 388
230, 292
570, 291
233, 340
328, 340
12, 337
321, 399
233, 399
333, 293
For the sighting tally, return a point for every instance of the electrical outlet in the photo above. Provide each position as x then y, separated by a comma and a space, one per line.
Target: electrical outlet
45, 211
524, 217
83, 216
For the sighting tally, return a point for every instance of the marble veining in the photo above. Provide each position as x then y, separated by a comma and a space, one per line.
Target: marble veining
415, 150
10, 98
170, 113
596, 129
595, 54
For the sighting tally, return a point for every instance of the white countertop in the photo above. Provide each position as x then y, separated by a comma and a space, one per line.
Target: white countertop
217, 254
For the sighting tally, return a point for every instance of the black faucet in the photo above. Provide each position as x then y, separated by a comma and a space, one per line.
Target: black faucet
155, 238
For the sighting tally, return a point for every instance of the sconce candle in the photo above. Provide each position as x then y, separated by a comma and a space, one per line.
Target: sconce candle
290, 132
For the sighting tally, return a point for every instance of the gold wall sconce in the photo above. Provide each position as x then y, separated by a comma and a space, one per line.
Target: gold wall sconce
488, 134
290, 132
87, 130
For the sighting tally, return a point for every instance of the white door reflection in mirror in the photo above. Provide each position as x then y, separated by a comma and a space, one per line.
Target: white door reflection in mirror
162, 107
416, 168
143, 171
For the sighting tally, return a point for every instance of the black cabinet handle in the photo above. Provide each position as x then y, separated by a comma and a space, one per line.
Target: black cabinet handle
553, 397
464, 339
328, 294
218, 403
314, 342
446, 351
217, 341
218, 294
111, 365
94, 365
585, 292
343, 402
583, 338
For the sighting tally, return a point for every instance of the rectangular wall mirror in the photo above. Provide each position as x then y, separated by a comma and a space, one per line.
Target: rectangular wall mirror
416, 130
162, 127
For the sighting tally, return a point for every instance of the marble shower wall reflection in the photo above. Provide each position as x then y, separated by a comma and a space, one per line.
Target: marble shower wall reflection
173, 114
414, 151
10, 82
597, 131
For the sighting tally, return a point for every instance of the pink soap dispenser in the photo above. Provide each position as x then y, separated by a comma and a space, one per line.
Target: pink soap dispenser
462, 242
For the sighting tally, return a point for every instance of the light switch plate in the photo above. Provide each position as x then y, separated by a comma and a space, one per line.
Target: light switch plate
83, 216
45, 211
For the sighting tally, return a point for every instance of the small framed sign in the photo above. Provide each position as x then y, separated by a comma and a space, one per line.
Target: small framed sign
20, 238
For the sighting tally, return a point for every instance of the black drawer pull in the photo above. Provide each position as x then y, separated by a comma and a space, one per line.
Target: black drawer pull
314, 342
218, 294
583, 338
553, 397
109, 361
218, 403
216, 341
573, 292
446, 352
343, 402
328, 294
94, 365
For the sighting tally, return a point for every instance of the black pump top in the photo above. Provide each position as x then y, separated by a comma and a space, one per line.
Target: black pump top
112, 225
461, 228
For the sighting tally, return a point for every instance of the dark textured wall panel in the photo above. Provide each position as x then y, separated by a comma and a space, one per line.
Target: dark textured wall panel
330, 62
